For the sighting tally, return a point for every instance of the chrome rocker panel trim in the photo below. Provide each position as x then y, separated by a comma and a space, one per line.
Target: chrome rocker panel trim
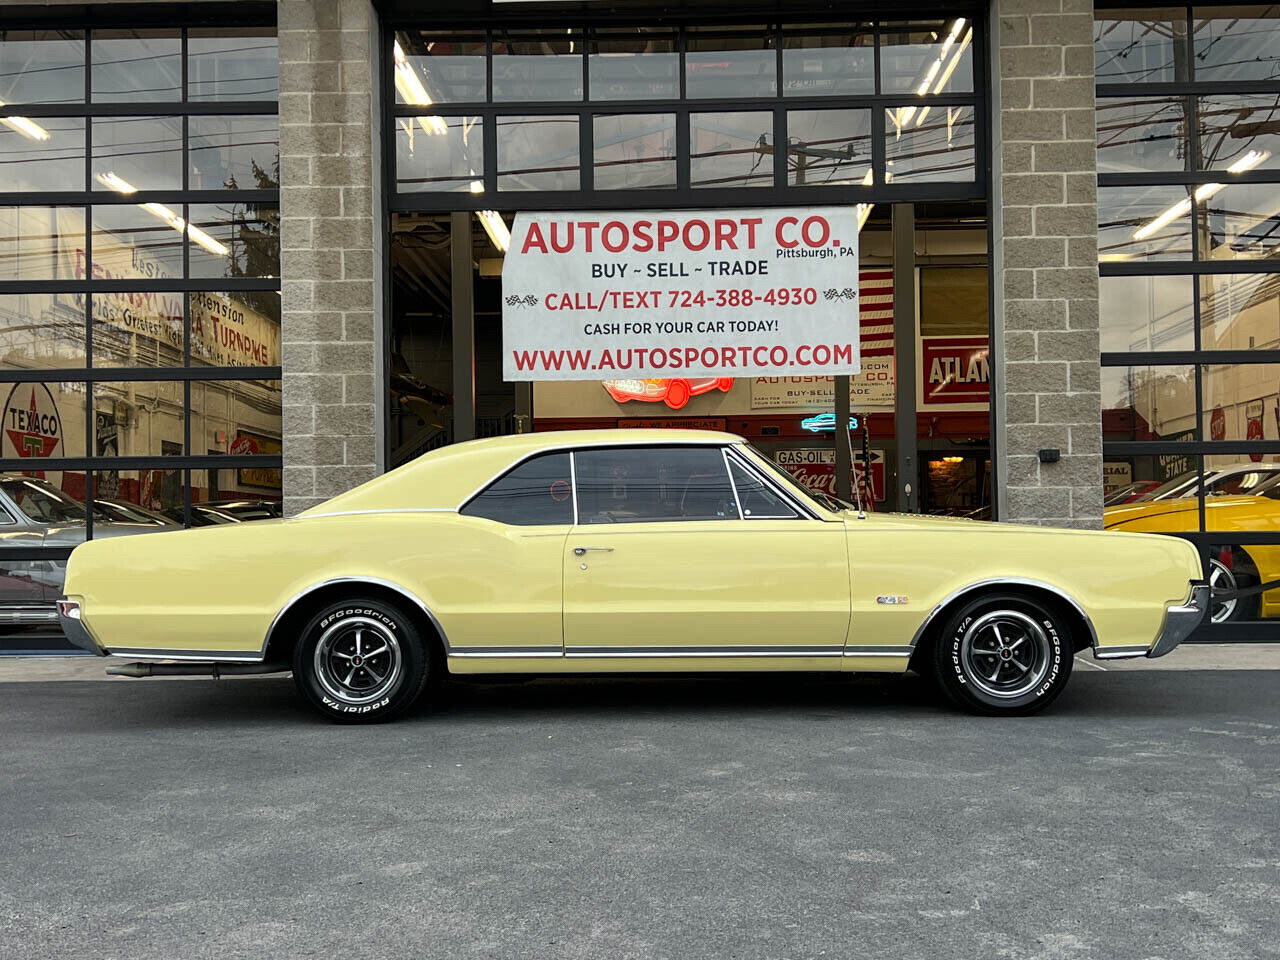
833, 651
204, 656
1120, 653
790, 650
498, 652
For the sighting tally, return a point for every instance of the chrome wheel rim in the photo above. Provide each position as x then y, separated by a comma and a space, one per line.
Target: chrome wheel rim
1005, 653
1221, 580
357, 660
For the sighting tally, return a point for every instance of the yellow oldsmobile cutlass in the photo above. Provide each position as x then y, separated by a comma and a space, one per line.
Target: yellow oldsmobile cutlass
623, 551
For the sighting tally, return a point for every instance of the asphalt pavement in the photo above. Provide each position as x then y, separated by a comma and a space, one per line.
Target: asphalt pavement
768, 817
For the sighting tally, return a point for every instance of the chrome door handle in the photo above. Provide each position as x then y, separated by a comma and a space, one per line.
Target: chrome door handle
579, 551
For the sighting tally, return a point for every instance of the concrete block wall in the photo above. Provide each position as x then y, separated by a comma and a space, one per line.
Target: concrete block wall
330, 247
1045, 348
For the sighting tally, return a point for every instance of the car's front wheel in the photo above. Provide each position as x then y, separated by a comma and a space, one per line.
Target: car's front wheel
361, 660
1003, 654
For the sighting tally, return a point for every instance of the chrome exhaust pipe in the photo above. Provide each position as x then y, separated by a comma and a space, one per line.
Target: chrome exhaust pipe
210, 669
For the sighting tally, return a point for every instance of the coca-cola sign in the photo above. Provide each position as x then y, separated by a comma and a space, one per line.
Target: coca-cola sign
815, 467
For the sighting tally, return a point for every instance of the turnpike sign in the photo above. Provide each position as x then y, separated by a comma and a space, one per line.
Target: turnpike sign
723, 293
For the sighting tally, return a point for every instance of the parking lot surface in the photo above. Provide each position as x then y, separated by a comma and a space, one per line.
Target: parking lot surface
771, 817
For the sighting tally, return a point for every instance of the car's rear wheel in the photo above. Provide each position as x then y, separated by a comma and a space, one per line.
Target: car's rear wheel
361, 660
1231, 570
1003, 654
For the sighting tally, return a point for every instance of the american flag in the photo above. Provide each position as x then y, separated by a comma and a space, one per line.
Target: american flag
875, 308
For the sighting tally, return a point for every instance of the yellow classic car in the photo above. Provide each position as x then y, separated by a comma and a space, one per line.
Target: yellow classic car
1238, 571
623, 551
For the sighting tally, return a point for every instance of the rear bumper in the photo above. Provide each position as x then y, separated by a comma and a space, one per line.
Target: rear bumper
69, 618
1179, 621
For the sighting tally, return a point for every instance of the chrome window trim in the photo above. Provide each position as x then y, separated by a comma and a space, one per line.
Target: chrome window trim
573, 483
737, 501
1007, 581
785, 495
796, 515
376, 581
587, 445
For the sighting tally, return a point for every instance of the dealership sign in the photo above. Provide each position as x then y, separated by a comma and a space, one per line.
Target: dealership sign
724, 293
955, 369
32, 427
872, 387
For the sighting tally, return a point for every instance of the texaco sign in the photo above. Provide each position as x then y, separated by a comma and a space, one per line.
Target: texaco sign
32, 427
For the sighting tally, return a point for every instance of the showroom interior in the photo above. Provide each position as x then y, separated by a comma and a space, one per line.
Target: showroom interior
251, 254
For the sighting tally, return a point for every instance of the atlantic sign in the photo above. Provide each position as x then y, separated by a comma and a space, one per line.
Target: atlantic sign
724, 293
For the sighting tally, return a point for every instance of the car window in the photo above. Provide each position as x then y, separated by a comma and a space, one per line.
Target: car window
42, 503
758, 502
1235, 484
652, 484
534, 493
1168, 487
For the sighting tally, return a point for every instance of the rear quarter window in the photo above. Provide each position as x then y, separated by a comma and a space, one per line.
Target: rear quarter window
537, 492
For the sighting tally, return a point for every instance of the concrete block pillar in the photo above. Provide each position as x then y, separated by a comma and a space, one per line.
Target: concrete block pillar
330, 247
1045, 351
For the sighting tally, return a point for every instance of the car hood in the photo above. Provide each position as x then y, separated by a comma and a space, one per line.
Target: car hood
1128, 513
921, 522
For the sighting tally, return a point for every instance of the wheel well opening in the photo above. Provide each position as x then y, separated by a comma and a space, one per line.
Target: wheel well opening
1081, 637
284, 636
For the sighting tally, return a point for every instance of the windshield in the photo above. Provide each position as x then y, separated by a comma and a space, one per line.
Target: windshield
41, 501
828, 501
1239, 482
124, 513
1167, 487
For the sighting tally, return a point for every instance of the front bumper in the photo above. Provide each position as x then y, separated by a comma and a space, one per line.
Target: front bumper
73, 628
1180, 620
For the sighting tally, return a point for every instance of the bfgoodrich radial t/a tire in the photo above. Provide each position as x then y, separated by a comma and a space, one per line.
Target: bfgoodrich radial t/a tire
1003, 654
361, 661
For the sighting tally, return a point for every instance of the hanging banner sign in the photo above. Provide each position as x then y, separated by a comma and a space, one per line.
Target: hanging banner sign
723, 293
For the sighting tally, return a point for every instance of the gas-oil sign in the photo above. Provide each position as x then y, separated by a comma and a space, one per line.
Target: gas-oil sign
725, 293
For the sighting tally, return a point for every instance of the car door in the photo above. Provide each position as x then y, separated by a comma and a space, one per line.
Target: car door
663, 562
514, 530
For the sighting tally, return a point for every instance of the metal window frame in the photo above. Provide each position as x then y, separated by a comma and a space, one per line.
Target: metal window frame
1197, 449
654, 445
181, 19
683, 195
